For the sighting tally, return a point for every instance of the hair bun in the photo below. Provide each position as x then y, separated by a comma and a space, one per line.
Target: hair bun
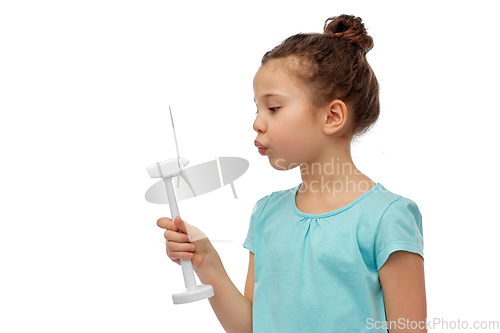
349, 28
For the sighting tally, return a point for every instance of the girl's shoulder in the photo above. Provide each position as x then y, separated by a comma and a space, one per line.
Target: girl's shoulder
390, 200
280, 196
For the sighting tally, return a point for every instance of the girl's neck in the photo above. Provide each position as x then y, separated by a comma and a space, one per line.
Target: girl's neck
331, 175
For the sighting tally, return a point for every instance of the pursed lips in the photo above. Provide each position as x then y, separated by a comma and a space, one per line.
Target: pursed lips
260, 146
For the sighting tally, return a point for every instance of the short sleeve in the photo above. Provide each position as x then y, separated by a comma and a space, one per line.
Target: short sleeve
257, 210
399, 229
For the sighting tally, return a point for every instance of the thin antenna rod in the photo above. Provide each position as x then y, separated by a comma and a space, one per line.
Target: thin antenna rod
175, 137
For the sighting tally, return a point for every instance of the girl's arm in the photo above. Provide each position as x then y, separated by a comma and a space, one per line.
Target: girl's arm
233, 310
402, 280
250, 279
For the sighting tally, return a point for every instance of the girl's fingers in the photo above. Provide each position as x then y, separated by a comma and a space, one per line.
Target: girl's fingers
178, 243
166, 223
179, 255
175, 236
180, 247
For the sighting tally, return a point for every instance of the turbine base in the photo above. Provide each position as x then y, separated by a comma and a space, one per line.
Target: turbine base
193, 294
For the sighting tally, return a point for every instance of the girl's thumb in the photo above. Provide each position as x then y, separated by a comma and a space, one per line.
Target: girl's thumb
193, 232
179, 223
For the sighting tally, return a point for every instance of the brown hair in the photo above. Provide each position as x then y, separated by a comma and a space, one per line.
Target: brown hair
333, 66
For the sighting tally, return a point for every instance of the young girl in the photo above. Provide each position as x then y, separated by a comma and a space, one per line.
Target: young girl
339, 252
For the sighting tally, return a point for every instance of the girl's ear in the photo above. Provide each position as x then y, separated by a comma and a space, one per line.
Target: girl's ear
335, 117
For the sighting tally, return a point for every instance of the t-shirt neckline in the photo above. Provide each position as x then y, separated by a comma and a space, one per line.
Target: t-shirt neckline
333, 212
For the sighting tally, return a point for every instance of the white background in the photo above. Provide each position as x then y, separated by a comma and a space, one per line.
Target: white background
84, 94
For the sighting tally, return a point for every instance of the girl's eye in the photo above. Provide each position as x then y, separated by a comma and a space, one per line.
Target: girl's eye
270, 109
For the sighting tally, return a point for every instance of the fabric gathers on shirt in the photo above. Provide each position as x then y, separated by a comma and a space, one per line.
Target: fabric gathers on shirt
319, 272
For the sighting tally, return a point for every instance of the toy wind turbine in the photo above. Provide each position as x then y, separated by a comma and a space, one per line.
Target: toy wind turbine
196, 180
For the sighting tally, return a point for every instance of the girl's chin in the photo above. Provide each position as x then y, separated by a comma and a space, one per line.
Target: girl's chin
281, 164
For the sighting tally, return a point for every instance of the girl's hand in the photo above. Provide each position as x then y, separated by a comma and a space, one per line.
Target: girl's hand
190, 244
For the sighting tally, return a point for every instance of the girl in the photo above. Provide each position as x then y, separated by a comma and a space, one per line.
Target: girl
339, 252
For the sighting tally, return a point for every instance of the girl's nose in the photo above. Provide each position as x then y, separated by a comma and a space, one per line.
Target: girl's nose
259, 124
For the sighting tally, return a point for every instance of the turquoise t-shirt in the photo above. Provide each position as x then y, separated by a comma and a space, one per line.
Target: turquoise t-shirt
319, 272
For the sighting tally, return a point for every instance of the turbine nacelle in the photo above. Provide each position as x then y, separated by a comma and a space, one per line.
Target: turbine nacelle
167, 169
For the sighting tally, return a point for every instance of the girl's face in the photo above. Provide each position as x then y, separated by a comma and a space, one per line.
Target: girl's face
284, 123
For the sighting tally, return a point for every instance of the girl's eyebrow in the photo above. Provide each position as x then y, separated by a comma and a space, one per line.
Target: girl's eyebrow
274, 94
271, 95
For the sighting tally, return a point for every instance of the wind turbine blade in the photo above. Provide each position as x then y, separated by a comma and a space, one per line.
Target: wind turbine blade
186, 178
173, 127
156, 193
176, 145
232, 168
234, 191
203, 177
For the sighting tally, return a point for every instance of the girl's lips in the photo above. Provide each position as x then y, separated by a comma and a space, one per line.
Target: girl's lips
261, 147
